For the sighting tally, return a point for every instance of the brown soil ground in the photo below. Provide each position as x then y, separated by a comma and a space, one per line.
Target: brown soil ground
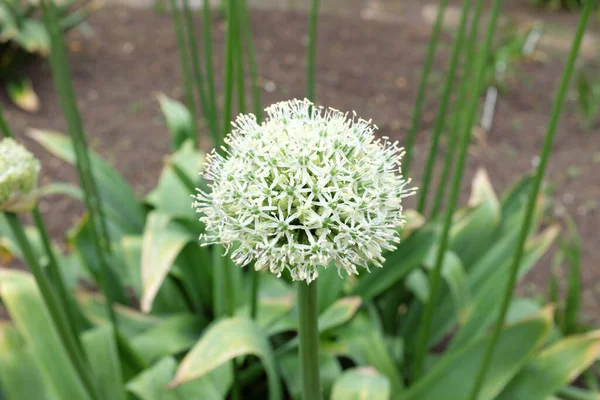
368, 66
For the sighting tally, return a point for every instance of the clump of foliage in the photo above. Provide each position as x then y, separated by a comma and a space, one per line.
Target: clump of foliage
23, 37
173, 318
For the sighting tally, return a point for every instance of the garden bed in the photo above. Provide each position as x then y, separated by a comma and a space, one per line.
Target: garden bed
368, 66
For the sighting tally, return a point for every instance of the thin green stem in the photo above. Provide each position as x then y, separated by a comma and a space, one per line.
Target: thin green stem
239, 69
210, 75
434, 280
62, 79
423, 80
188, 85
255, 281
253, 65
464, 90
440, 121
311, 69
230, 47
197, 70
308, 331
68, 302
537, 183
54, 307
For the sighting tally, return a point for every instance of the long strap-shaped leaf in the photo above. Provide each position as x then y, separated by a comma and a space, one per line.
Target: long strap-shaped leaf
537, 182
223, 342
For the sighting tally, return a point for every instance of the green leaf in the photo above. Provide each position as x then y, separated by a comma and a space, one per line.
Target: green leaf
449, 378
224, 341
339, 313
163, 241
19, 372
152, 384
553, 368
179, 121
487, 300
171, 195
366, 346
102, 353
30, 315
409, 255
20, 91
363, 383
116, 195
131, 322
175, 334
329, 371
472, 234
33, 37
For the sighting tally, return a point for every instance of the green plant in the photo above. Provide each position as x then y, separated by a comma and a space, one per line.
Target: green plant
23, 38
588, 94
417, 328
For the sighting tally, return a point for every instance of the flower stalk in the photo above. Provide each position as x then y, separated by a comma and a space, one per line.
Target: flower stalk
537, 183
423, 80
423, 337
308, 332
92, 201
440, 121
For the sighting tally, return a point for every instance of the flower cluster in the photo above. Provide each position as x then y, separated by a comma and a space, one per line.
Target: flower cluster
19, 171
308, 187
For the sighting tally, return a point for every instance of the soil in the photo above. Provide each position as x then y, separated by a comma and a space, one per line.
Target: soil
368, 66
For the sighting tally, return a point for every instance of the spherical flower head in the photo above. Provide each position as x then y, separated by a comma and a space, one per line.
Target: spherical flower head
308, 187
19, 171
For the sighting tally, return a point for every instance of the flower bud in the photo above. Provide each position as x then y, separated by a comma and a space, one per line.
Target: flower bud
19, 171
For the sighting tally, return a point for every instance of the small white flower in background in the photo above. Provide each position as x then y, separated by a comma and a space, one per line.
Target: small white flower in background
306, 188
19, 171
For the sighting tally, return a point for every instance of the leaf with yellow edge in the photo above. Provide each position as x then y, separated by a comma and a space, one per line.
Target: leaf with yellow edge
163, 240
363, 383
223, 341
450, 377
553, 368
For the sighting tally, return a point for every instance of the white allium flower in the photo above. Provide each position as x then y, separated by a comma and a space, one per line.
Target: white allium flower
307, 187
19, 171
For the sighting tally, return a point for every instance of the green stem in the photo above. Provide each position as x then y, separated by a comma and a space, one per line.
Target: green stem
254, 293
440, 121
464, 90
185, 67
239, 69
308, 331
311, 69
434, 281
230, 47
197, 69
68, 302
247, 33
73, 313
92, 201
210, 75
537, 183
54, 307
420, 100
